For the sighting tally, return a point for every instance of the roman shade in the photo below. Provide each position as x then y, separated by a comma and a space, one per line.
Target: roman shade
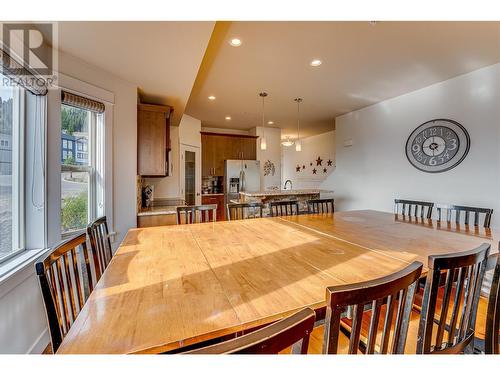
23, 76
82, 102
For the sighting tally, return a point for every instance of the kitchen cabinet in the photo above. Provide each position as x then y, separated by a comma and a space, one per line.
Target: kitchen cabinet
216, 148
217, 199
153, 140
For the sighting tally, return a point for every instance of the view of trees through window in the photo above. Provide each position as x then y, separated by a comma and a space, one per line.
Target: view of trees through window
6, 113
75, 168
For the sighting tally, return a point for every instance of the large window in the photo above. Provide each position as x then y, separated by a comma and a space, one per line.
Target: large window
11, 187
80, 153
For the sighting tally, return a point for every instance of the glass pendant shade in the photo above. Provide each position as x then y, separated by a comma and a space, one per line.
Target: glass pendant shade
263, 144
298, 145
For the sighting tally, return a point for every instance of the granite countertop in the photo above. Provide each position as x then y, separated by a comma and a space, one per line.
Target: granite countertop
158, 210
211, 194
270, 193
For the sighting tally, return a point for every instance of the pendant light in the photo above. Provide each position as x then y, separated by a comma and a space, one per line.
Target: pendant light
263, 143
298, 143
287, 142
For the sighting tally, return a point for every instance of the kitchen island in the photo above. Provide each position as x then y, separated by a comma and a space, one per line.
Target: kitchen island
301, 195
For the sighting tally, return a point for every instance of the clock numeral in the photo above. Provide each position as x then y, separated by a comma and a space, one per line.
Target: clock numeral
453, 142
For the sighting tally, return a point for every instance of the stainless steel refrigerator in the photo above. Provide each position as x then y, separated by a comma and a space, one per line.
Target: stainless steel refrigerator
241, 175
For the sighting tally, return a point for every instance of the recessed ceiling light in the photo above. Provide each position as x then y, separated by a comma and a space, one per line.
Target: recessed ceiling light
211, 97
270, 122
228, 117
316, 62
235, 42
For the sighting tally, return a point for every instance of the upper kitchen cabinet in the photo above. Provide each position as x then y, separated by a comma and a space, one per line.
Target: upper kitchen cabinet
216, 148
153, 140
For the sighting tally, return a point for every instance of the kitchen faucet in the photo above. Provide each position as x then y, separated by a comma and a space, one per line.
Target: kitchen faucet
291, 185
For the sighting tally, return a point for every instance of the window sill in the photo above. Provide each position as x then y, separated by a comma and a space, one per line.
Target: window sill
14, 271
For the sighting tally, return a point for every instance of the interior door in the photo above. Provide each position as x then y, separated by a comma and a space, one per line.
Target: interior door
190, 174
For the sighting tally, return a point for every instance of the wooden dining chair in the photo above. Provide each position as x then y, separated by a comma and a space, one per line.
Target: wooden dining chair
284, 208
291, 331
63, 284
390, 296
417, 209
467, 211
197, 214
463, 275
317, 206
100, 245
492, 331
490, 344
250, 210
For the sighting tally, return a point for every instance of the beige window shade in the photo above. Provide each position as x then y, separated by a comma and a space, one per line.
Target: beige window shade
22, 76
82, 102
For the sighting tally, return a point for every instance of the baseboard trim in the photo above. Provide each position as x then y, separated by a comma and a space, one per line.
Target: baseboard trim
40, 343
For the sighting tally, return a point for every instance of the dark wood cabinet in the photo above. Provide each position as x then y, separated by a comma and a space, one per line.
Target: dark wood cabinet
219, 201
216, 148
153, 140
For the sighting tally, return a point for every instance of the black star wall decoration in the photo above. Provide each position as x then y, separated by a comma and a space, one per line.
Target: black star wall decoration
325, 170
314, 171
329, 162
297, 168
319, 161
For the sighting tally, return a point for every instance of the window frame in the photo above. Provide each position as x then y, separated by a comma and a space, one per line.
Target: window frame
18, 172
95, 196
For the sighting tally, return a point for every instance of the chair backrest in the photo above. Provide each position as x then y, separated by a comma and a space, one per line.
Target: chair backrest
417, 209
291, 331
197, 214
284, 208
463, 275
442, 208
394, 292
491, 345
317, 206
61, 280
237, 211
100, 244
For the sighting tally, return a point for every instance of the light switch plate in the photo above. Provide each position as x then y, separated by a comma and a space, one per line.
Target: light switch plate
348, 142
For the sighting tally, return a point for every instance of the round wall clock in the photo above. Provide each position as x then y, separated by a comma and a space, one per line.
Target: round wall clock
437, 145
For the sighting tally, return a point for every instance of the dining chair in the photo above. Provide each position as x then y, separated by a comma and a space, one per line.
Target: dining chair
284, 208
62, 283
100, 245
316, 206
197, 214
463, 275
415, 209
291, 331
389, 297
490, 344
477, 211
237, 211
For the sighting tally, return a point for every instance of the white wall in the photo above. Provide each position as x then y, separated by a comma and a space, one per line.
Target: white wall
23, 326
374, 170
272, 153
322, 145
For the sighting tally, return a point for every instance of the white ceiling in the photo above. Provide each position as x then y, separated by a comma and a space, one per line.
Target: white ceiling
363, 64
161, 58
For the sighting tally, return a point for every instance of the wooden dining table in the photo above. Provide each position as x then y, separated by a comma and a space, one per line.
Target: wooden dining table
171, 287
